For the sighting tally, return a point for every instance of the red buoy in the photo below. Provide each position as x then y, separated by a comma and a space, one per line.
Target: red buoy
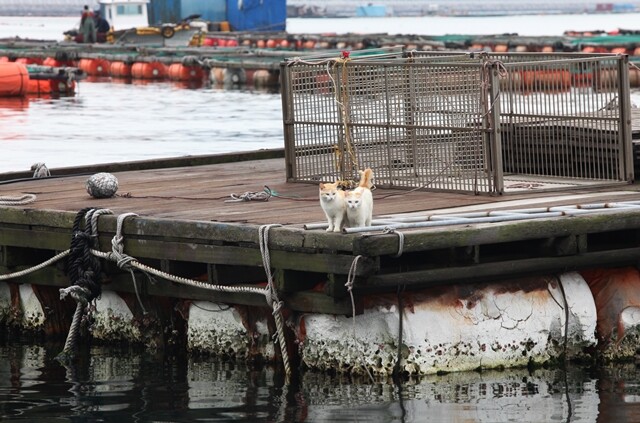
14, 79
180, 72
120, 69
151, 70
94, 67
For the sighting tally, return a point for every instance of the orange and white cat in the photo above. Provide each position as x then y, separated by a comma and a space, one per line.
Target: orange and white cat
360, 201
332, 200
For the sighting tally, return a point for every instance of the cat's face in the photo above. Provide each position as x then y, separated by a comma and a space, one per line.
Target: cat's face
328, 192
354, 199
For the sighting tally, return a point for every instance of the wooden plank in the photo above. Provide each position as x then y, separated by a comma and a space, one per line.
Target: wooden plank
501, 270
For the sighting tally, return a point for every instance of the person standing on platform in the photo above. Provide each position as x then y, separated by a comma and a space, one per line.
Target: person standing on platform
102, 27
88, 26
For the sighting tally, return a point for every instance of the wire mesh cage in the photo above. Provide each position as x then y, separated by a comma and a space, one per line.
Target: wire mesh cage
480, 123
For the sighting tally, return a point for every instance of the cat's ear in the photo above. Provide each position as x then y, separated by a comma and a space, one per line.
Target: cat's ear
321, 185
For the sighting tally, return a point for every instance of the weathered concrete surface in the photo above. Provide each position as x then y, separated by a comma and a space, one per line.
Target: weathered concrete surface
113, 320
219, 329
458, 328
33, 316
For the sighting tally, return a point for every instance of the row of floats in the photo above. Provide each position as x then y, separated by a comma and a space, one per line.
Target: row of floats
16, 77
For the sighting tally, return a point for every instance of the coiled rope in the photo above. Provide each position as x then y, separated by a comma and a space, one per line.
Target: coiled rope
21, 200
39, 170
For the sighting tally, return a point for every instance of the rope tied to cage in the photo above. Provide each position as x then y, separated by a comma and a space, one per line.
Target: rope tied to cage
84, 272
271, 295
341, 95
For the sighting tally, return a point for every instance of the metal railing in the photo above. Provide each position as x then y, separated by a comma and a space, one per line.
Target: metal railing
466, 122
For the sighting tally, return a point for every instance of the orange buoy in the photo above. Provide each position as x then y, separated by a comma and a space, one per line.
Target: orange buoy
260, 44
232, 43
94, 67
619, 50
14, 79
4, 59
151, 70
208, 42
270, 43
120, 69
180, 72
547, 49
39, 86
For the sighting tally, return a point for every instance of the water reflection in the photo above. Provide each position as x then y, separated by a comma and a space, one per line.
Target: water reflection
109, 384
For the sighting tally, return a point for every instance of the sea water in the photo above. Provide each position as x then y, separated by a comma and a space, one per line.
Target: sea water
111, 121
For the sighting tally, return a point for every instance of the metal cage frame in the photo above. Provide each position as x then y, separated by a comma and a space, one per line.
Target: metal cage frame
480, 123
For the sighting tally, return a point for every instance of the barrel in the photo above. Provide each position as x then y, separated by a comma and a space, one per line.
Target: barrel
120, 69
14, 79
94, 67
180, 72
151, 70
36, 86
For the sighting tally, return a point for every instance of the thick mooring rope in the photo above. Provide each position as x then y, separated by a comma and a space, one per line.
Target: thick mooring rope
272, 296
84, 273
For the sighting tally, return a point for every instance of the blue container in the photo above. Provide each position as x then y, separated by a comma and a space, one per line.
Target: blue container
242, 15
257, 15
371, 10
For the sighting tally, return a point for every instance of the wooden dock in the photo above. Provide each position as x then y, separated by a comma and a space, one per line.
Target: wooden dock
186, 226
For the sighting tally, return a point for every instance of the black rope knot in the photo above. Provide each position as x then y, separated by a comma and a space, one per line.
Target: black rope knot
83, 268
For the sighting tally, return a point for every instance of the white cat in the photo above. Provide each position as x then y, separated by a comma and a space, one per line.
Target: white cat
360, 201
335, 208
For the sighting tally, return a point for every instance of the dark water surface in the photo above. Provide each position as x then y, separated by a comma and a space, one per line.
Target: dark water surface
122, 385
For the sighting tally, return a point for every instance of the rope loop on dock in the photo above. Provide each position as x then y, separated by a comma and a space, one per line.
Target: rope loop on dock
122, 260
21, 200
390, 230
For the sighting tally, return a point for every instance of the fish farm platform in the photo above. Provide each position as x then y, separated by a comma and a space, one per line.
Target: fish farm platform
186, 226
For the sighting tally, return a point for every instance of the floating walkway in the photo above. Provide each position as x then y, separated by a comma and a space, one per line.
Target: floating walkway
253, 58
197, 252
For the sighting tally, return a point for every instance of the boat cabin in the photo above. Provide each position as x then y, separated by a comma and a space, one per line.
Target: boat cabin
125, 14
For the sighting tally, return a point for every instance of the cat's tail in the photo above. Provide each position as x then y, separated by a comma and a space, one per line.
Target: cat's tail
366, 178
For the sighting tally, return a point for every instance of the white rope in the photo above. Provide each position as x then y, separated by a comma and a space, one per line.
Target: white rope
17, 201
350, 280
35, 268
390, 230
272, 296
249, 196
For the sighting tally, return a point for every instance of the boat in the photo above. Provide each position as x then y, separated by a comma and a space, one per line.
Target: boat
129, 22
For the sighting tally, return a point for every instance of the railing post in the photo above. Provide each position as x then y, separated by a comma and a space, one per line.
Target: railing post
625, 146
495, 141
287, 122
